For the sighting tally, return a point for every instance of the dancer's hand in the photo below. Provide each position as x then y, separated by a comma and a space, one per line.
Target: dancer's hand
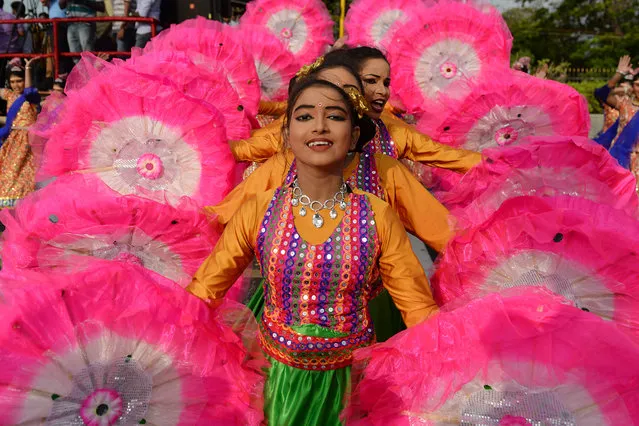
624, 66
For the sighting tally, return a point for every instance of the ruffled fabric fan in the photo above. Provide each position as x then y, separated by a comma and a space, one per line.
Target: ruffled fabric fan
204, 82
110, 348
507, 107
76, 221
275, 65
212, 44
304, 26
440, 49
143, 137
521, 359
370, 22
581, 250
51, 114
542, 166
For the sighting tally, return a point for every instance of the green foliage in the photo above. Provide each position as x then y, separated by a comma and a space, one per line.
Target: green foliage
585, 33
587, 89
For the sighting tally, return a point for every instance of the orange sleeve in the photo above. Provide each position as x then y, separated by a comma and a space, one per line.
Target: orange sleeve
402, 274
416, 146
267, 176
421, 214
232, 254
262, 145
275, 109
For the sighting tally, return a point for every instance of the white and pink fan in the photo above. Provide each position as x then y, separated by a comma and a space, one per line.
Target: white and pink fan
108, 347
370, 22
507, 107
541, 166
304, 26
143, 137
212, 45
519, 359
204, 82
581, 250
440, 49
77, 221
275, 65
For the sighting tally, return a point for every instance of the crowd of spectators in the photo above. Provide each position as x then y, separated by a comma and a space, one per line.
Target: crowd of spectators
74, 37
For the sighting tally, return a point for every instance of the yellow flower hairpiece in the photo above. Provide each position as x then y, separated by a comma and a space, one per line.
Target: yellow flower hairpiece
307, 69
358, 100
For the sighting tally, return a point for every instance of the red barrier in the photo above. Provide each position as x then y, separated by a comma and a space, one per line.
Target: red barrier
56, 54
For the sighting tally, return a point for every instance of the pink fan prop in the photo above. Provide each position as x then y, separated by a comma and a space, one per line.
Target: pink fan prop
275, 65
111, 348
76, 221
521, 359
542, 166
51, 114
508, 107
369, 22
303, 26
205, 82
440, 49
212, 44
145, 138
579, 249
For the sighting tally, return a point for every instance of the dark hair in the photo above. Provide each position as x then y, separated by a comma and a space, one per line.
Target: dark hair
328, 64
12, 72
635, 77
357, 56
21, 10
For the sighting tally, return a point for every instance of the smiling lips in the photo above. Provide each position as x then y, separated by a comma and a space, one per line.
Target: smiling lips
319, 145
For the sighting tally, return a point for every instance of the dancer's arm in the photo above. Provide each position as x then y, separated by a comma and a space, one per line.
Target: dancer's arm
262, 145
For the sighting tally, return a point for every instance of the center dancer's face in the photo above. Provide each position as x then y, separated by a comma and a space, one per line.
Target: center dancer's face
321, 131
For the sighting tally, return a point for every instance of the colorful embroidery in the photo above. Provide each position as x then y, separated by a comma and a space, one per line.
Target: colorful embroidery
327, 284
382, 143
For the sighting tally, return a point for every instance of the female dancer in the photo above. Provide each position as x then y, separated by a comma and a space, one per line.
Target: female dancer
394, 138
321, 246
17, 171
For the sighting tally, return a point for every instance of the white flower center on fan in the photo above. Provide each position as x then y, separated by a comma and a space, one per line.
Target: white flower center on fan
289, 26
142, 152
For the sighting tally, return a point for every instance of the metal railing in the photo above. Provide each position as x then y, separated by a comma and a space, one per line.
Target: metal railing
56, 54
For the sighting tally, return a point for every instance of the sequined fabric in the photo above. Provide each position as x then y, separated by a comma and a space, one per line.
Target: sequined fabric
17, 170
328, 285
610, 116
382, 142
627, 110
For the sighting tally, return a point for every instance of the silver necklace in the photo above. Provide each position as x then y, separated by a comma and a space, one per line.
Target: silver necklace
299, 198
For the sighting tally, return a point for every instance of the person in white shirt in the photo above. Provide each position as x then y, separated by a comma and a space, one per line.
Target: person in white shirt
124, 32
146, 9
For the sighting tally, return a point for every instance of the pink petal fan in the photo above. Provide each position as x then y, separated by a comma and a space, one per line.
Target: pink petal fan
542, 166
523, 359
275, 65
50, 116
581, 250
504, 109
212, 45
76, 221
205, 82
440, 48
143, 137
369, 22
304, 26
112, 348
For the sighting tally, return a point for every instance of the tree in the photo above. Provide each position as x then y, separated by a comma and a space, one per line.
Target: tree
586, 33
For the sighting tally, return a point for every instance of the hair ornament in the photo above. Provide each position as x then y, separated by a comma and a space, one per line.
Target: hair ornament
358, 100
308, 69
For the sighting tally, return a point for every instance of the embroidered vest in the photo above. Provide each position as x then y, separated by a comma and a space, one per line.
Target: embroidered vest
328, 285
364, 177
382, 142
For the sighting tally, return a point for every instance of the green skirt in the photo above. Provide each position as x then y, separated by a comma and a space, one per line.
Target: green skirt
386, 318
293, 396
